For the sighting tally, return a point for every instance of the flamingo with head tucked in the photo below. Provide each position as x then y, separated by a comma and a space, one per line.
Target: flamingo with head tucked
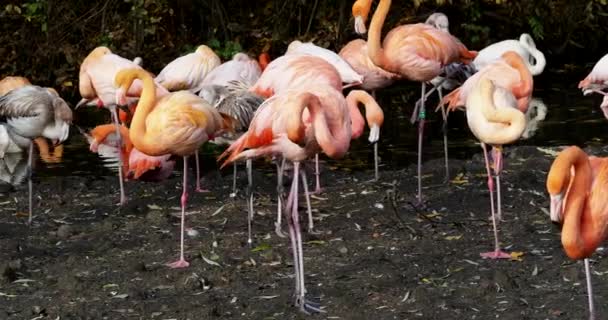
417, 52
188, 71
494, 119
278, 128
177, 123
533, 58
577, 184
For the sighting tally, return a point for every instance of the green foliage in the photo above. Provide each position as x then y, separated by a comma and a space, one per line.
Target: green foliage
225, 51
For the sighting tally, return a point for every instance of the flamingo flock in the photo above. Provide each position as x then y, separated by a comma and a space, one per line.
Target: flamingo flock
294, 108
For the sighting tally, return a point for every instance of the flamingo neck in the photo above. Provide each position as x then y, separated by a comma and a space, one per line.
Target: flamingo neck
373, 113
528, 44
580, 236
374, 47
145, 105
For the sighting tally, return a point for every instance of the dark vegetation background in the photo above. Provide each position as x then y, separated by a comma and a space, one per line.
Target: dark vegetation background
45, 40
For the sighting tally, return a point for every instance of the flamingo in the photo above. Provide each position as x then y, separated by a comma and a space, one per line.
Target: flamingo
32, 112
508, 72
577, 185
241, 68
96, 78
188, 71
13, 82
102, 140
525, 47
263, 60
349, 76
177, 123
278, 128
494, 119
46, 155
417, 52
597, 81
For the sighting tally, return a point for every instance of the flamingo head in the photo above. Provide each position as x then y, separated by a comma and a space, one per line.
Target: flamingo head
360, 11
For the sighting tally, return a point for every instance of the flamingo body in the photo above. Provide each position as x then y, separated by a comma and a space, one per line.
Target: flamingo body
241, 68
525, 47
188, 71
374, 77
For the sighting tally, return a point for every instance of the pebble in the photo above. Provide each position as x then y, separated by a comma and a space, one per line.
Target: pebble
64, 231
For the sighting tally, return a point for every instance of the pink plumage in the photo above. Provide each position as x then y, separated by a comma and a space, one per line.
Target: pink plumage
374, 77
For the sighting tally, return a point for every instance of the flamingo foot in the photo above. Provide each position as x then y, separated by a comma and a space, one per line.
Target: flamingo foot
181, 263
496, 254
308, 307
123, 201
279, 231
318, 190
311, 230
202, 190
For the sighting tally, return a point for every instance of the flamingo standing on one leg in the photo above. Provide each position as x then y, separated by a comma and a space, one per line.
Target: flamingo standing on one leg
96, 80
493, 118
278, 128
188, 71
418, 52
32, 112
577, 184
178, 123
597, 81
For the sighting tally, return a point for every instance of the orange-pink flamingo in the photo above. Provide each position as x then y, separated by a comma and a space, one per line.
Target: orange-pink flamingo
577, 184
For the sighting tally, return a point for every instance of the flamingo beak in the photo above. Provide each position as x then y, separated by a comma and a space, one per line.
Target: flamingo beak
81, 103
556, 208
360, 25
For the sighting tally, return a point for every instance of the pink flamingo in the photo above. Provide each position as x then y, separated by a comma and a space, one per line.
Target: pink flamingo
189, 71
241, 68
417, 52
96, 83
597, 81
278, 128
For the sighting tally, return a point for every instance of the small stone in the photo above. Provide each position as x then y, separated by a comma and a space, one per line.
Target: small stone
343, 250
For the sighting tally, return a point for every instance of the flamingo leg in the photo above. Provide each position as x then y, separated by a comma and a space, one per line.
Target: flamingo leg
182, 263
121, 161
497, 253
249, 201
317, 174
376, 173
497, 159
30, 166
421, 119
294, 232
444, 128
589, 290
234, 178
311, 223
280, 191
198, 175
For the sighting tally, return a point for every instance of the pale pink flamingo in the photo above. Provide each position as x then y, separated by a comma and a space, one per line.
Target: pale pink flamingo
349, 76
96, 83
533, 58
32, 112
278, 128
241, 68
597, 81
178, 123
417, 52
189, 71
577, 184
494, 119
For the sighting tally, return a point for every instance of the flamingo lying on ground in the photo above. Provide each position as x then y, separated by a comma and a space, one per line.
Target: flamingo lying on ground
417, 52
577, 184
32, 112
494, 119
177, 123
96, 80
525, 47
278, 128
188, 71
597, 81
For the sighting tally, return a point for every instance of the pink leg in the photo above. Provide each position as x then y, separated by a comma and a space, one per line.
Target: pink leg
444, 115
497, 159
121, 161
280, 191
249, 201
198, 175
317, 174
311, 223
589, 291
182, 263
30, 166
497, 253
421, 119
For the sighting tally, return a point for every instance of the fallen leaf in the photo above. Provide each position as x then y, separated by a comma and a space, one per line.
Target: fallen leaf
517, 255
450, 238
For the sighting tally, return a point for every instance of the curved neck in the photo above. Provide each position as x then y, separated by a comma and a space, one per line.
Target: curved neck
101, 133
580, 238
524, 88
146, 103
373, 113
374, 47
539, 57
333, 144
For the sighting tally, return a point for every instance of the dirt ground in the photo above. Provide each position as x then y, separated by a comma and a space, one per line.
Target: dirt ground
377, 257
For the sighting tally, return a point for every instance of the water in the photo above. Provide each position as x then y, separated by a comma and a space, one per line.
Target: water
570, 118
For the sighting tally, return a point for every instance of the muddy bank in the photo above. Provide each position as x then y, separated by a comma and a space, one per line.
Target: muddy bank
377, 257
